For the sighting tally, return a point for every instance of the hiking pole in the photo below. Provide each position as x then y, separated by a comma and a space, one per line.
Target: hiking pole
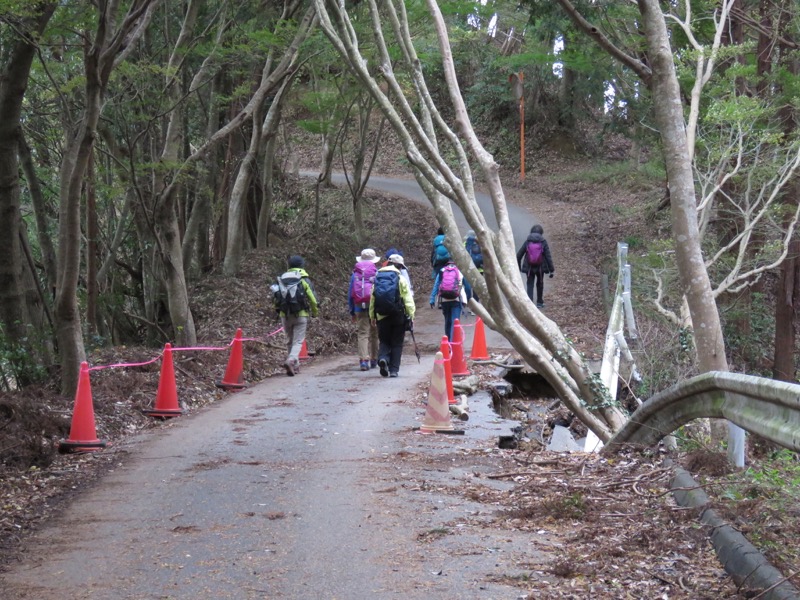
414, 339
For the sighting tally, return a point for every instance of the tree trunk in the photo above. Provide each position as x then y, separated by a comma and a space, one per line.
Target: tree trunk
236, 206
787, 295
786, 304
668, 109
91, 250
108, 47
13, 84
40, 214
669, 117
265, 214
269, 81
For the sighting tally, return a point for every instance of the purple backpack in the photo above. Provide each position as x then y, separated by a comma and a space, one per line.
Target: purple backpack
534, 251
364, 276
449, 286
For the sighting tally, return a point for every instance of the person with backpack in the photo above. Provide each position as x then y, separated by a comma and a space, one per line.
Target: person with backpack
403, 269
358, 298
391, 308
440, 255
535, 260
473, 248
449, 288
294, 299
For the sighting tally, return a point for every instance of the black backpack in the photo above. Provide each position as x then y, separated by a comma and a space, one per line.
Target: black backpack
289, 294
386, 291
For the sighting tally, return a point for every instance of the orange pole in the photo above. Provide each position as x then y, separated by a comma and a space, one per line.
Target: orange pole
522, 131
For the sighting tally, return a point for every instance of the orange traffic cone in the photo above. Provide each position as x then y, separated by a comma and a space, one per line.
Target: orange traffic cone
448, 373
437, 415
167, 395
304, 352
233, 374
82, 433
458, 364
479, 351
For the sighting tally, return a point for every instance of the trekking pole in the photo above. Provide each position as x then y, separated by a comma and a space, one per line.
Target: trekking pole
414, 339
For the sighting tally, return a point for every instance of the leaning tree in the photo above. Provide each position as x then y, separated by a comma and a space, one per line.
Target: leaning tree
442, 156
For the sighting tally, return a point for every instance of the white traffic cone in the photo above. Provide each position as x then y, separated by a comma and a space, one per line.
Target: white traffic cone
437, 417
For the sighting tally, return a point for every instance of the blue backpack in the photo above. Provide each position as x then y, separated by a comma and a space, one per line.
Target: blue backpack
441, 255
476, 254
386, 291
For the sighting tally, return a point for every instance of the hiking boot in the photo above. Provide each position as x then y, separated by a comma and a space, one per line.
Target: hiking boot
393, 374
384, 367
296, 366
540, 305
364, 365
373, 363
289, 368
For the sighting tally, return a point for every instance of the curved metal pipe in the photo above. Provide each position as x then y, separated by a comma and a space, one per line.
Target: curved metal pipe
765, 407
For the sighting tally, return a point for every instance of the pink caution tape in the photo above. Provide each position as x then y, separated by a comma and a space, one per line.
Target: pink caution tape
184, 349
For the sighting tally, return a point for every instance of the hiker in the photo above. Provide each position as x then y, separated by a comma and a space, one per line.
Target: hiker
294, 299
449, 288
358, 298
439, 253
473, 248
391, 307
403, 269
535, 260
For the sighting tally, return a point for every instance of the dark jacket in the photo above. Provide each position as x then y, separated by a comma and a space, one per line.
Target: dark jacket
547, 265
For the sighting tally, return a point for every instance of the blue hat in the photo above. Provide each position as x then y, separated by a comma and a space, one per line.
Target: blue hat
296, 262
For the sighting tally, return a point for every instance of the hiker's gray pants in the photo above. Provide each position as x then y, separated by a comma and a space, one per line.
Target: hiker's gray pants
295, 329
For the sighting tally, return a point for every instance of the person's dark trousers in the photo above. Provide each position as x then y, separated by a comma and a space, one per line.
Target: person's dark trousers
451, 311
391, 335
536, 276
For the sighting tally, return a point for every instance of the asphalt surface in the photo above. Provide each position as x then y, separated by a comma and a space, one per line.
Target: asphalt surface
314, 486
521, 219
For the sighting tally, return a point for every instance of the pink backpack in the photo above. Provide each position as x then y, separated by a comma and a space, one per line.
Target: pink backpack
364, 273
450, 286
534, 252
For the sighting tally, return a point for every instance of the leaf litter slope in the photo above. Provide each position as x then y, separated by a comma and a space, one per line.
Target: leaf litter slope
617, 532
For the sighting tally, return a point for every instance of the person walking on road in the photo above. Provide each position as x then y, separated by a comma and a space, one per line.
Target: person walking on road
358, 297
439, 253
294, 299
392, 309
403, 268
449, 289
473, 248
535, 260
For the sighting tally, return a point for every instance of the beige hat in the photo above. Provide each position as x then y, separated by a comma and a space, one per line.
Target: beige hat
368, 254
396, 259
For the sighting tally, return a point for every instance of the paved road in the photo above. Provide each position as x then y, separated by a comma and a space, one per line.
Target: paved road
308, 487
521, 219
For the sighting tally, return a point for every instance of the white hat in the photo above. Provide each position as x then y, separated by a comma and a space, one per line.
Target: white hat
396, 259
368, 254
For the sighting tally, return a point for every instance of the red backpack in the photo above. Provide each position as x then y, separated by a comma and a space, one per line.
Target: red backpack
364, 276
450, 286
